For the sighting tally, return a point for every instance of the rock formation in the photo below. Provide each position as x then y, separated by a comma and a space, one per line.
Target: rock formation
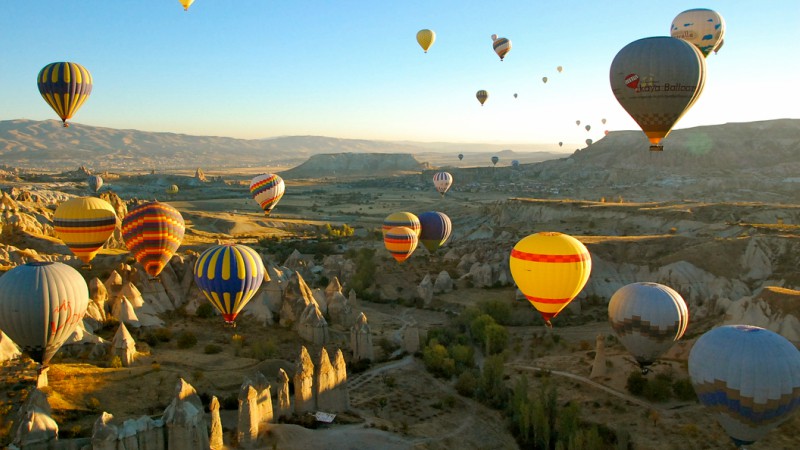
361, 339
185, 420
443, 283
411, 342
296, 298
342, 397
215, 438
425, 290
339, 310
8, 349
124, 346
304, 384
284, 408
113, 285
599, 364
325, 384
36, 425
133, 295
312, 326
104, 433
264, 399
199, 175
125, 313
249, 416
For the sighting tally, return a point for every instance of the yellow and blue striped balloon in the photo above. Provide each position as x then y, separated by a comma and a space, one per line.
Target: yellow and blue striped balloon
84, 224
229, 275
65, 86
401, 219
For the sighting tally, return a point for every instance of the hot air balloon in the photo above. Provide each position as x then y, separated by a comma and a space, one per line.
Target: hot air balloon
514, 163
515, 95
41, 303
267, 190
501, 46
401, 242
95, 182
401, 219
719, 46
84, 224
460, 156
482, 96
426, 38
65, 86
153, 232
436, 229
677, 70
701, 27
229, 276
560, 144
578, 122
588, 127
648, 319
606, 132
603, 121
559, 69
589, 142
748, 377
186, 4
172, 190
550, 269
495, 159
544, 80
442, 181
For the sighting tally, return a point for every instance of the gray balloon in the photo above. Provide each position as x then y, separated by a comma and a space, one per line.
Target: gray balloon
657, 80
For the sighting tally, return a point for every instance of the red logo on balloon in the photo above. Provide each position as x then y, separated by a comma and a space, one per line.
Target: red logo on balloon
632, 81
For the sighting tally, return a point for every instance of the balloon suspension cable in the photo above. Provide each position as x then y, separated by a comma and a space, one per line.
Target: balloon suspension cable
657, 148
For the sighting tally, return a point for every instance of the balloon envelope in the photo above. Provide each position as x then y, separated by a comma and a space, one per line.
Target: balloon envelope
186, 4
648, 319
588, 127
84, 224
495, 159
544, 80
174, 189
153, 232
229, 276
65, 86
401, 219
460, 156
401, 242
442, 181
267, 190
482, 96
657, 80
436, 229
426, 38
95, 182
501, 46
559, 69
41, 303
702, 27
748, 377
550, 269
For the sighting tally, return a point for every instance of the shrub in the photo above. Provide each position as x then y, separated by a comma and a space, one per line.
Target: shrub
636, 383
212, 349
683, 390
187, 339
205, 311
466, 384
115, 362
263, 349
162, 334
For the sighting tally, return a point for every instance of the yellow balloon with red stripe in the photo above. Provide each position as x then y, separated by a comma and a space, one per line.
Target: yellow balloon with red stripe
401, 242
401, 219
550, 268
84, 224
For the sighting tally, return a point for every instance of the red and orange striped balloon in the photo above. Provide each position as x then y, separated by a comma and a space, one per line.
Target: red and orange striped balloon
401, 242
153, 232
551, 269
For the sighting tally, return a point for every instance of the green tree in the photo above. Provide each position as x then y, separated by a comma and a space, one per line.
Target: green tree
478, 327
492, 387
496, 338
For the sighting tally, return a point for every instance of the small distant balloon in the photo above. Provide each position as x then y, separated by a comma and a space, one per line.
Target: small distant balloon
482, 96
501, 46
186, 4
426, 38
95, 182
603, 121
172, 190
514, 163
442, 182
559, 69
515, 95
578, 122
495, 159
560, 144
588, 127
460, 156
589, 142
606, 132
544, 80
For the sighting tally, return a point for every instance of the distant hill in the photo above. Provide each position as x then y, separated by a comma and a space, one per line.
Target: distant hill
355, 165
46, 144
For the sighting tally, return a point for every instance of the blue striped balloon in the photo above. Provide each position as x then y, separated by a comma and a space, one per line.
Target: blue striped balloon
436, 229
748, 377
229, 275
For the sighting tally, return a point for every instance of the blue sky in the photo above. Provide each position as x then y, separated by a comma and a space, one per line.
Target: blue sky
353, 69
